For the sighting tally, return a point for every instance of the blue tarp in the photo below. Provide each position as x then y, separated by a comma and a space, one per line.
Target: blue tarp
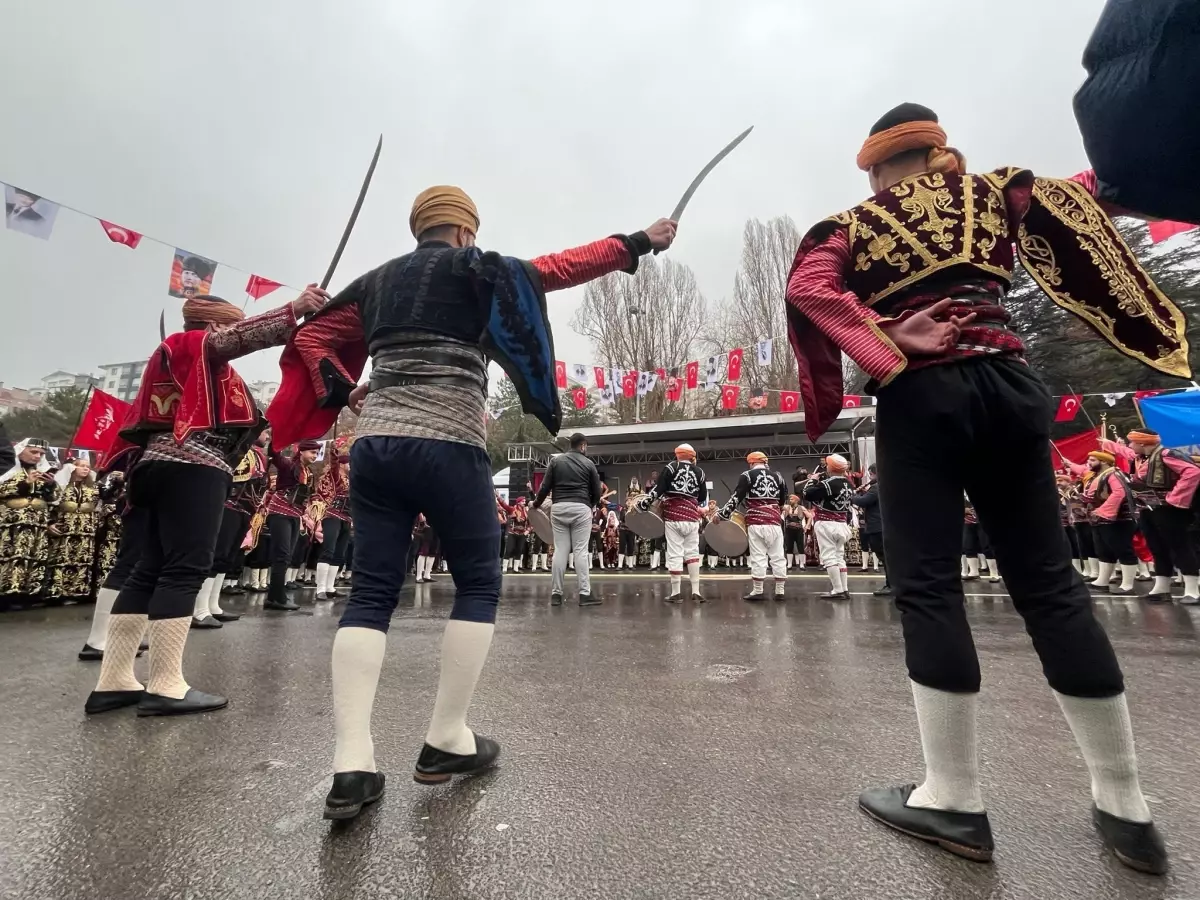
1176, 417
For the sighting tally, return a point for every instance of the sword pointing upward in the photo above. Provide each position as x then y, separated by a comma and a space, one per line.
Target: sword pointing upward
712, 164
362, 194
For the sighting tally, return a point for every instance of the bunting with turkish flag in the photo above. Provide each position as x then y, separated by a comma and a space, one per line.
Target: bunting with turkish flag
258, 287
629, 384
1068, 407
579, 395
729, 396
119, 235
789, 401
1142, 395
852, 401
674, 387
100, 422
734, 369
693, 375
598, 371
560, 374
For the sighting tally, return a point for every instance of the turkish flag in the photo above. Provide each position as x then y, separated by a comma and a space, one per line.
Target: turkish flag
560, 374
1160, 231
258, 287
789, 401
100, 422
729, 395
579, 395
598, 371
1142, 395
119, 235
693, 375
1068, 407
674, 388
735, 364
851, 401
629, 383
660, 374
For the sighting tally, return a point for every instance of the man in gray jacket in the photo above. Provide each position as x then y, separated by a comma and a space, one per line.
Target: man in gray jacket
575, 483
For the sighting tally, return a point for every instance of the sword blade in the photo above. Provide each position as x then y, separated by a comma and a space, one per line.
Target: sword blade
162, 325
712, 164
362, 193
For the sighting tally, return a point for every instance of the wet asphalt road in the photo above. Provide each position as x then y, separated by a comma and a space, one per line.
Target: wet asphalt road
650, 751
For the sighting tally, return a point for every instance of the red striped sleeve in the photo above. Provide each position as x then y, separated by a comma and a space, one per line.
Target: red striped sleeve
818, 290
580, 265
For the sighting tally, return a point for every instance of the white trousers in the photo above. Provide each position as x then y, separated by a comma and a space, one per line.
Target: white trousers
683, 544
766, 544
831, 541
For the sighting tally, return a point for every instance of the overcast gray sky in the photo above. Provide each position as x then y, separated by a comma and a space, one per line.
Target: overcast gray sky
241, 131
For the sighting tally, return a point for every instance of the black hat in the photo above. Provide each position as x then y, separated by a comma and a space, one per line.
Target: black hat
905, 112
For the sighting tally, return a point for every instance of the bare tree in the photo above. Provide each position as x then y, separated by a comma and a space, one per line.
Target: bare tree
643, 323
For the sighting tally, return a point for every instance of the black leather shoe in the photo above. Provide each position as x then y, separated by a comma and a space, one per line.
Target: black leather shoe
91, 654
352, 791
233, 590
779, 598
206, 622
321, 595
968, 835
588, 600
1136, 844
107, 701
1159, 598
556, 599
436, 766
193, 701
885, 591
1118, 591
754, 597
291, 586
674, 598
835, 595
1190, 601
698, 598
226, 617
288, 605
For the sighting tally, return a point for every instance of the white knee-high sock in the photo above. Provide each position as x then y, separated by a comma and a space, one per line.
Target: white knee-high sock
464, 650
1078, 565
322, 577
429, 568
654, 559
1127, 575
1162, 584
803, 561
965, 569
1106, 570
357, 660
693, 570
835, 578
1143, 569
214, 594
1093, 567
972, 567
676, 578
947, 723
167, 640
1105, 737
1191, 586
98, 636
712, 562
201, 610
121, 646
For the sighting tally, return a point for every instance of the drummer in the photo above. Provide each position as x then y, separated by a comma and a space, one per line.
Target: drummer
575, 483
763, 492
684, 494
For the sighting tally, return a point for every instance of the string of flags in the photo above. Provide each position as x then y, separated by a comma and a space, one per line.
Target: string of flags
191, 274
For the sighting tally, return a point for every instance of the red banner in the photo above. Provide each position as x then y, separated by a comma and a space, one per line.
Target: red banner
599, 373
579, 395
119, 235
729, 395
789, 401
1068, 407
258, 287
560, 374
1160, 231
852, 401
735, 364
100, 422
674, 388
629, 383
693, 375
1076, 447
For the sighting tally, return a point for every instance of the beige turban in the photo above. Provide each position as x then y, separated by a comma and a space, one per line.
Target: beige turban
443, 204
211, 311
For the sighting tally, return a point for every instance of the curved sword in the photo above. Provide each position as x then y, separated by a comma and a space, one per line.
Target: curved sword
362, 193
712, 164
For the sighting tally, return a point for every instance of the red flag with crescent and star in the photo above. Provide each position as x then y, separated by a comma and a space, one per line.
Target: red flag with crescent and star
693, 375
1068, 407
560, 374
598, 371
100, 422
729, 396
735, 364
789, 401
119, 235
629, 383
851, 401
674, 388
579, 395
258, 287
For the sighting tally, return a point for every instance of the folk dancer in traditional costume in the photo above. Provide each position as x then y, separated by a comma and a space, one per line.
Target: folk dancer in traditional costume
870, 528
683, 490
518, 533
909, 284
240, 503
286, 518
426, 543
795, 522
1165, 482
108, 533
195, 419
829, 493
763, 493
331, 508
430, 319
626, 539
27, 493
658, 546
74, 520
1110, 503
1081, 524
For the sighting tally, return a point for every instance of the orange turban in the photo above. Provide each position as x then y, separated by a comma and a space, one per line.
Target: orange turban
685, 451
910, 126
211, 311
1104, 457
756, 458
837, 464
443, 204
1143, 437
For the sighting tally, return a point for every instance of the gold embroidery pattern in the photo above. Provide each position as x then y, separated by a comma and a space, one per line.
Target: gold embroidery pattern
994, 224
925, 198
1036, 250
880, 247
